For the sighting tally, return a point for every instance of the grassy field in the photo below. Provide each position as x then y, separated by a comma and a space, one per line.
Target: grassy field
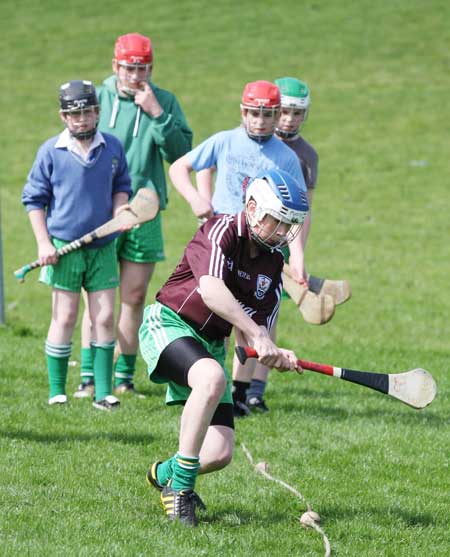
72, 480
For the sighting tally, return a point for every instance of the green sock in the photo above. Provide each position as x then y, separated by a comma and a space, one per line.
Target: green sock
165, 470
87, 365
185, 472
57, 365
124, 369
103, 363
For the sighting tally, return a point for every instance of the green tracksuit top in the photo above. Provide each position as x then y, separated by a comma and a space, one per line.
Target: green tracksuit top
147, 141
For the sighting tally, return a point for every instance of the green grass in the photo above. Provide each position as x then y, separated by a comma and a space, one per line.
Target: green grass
72, 479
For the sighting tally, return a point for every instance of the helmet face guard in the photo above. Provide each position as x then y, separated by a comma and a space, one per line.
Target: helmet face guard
277, 194
79, 108
259, 122
272, 236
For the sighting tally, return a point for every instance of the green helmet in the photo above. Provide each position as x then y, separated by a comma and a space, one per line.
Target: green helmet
294, 93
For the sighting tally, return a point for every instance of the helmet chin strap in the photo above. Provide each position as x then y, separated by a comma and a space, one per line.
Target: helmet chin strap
286, 135
81, 136
259, 138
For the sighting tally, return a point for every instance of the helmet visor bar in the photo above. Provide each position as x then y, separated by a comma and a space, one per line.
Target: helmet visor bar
131, 68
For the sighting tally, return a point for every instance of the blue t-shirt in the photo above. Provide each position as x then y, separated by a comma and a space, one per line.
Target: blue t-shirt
77, 195
237, 157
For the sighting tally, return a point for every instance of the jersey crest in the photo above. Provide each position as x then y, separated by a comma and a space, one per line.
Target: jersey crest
263, 283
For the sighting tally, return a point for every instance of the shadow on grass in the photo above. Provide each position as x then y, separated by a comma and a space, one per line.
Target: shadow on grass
56, 438
240, 517
382, 514
346, 408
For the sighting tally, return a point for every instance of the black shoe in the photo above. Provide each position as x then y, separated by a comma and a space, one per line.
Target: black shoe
240, 410
152, 476
179, 505
109, 403
256, 404
152, 479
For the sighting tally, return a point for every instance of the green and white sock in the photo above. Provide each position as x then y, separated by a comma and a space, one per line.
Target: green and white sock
124, 369
87, 365
57, 365
185, 472
103, 355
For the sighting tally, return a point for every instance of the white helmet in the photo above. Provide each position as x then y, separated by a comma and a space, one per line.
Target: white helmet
278, 194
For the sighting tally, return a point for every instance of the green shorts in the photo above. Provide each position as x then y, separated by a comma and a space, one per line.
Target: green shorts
93, 269
144, 244
160, 327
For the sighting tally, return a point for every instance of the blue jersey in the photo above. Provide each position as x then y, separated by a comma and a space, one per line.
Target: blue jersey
237, 157
77, 194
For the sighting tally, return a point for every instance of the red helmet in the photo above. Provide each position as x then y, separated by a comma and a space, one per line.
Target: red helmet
261, 94
133, 49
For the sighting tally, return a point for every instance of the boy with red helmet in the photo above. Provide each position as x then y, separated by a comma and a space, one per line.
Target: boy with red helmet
295, 104
236, 155
151, 125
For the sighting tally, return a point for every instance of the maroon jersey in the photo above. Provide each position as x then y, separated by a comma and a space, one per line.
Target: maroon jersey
221, 248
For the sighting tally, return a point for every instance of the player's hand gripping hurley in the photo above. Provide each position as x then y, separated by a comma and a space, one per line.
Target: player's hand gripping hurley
416, 388
143, 207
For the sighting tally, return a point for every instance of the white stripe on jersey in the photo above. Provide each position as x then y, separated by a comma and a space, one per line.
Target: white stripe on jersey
206, 321
239, 223
217, 259
187, 298
271, 319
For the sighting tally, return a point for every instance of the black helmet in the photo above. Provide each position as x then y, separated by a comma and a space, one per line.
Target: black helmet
77, 94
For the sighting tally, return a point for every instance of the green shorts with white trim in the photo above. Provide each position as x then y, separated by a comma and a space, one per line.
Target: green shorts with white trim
93, 269
160, 327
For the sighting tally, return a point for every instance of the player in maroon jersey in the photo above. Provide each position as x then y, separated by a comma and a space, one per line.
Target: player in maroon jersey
229, 276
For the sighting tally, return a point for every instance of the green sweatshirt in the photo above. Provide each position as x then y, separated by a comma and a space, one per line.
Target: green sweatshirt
147, 141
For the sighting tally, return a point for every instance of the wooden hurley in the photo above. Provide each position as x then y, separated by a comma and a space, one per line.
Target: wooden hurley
143, 207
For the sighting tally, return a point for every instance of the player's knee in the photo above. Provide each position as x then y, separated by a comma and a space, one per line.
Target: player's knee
216, 460
104, 320
134, 297
214, 385
65, 319
223, 458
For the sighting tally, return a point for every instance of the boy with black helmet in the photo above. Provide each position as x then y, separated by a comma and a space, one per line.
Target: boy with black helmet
79, 180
